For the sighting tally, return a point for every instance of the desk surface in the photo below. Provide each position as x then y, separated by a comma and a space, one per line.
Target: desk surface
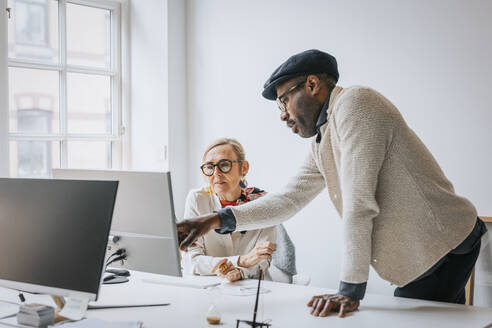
285, 305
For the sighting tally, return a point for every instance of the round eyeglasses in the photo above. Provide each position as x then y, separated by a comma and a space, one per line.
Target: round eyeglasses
224, 165
280, 101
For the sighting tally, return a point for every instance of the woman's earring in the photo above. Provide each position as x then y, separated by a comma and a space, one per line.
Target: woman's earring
208, 189
243, 183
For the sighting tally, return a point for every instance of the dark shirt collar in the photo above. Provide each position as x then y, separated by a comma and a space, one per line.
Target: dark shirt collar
322, 118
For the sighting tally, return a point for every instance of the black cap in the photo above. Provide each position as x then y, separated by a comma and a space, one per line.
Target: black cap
307, 62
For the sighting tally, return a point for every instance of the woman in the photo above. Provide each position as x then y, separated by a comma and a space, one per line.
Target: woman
238, 255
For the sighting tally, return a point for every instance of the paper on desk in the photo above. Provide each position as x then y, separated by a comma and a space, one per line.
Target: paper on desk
96, 323
238, 290
75, 308
7, 309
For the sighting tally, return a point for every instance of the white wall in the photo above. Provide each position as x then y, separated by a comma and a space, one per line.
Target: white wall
177, 105
158, 90
148, 73
433, 59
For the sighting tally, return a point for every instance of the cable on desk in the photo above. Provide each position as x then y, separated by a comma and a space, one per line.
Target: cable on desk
118, 258
119, 252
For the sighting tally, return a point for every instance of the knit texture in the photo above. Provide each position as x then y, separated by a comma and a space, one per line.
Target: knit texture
400, 213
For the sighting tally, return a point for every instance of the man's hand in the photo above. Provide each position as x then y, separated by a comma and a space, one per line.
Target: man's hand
262, 250
226, 269
322, 305
192, 229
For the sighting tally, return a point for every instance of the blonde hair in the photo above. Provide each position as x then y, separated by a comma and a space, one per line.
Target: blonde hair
236, 146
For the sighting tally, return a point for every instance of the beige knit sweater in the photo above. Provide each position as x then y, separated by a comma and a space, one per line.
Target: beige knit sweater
400, 214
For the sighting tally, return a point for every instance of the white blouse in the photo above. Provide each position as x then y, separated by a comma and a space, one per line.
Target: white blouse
213, 247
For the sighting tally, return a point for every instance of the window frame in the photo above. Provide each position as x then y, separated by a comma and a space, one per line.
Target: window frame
4, 123
115, 72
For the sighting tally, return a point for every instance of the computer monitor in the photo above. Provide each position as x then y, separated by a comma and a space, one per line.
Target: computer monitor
144, 221
53, 235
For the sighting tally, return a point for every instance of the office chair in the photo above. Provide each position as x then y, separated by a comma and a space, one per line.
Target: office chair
470, 286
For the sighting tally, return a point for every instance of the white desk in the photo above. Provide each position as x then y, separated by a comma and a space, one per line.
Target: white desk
285, 305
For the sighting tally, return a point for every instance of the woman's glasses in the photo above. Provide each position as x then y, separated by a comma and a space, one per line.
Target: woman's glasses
224, 165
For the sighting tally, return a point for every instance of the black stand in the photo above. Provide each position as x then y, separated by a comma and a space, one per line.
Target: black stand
253, 323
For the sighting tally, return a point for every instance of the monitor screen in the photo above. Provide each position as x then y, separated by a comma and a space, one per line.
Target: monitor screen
54, 233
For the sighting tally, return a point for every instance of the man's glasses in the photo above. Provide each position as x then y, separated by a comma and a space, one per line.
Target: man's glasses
224, 165
280, 102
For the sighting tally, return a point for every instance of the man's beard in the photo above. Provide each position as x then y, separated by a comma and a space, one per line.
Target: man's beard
306, 123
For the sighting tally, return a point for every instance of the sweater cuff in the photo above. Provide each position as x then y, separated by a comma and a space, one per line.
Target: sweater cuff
354, 291
227, 221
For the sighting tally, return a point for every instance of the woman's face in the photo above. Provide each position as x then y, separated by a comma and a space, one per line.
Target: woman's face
224, 183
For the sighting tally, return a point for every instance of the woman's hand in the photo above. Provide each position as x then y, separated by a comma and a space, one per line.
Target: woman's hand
226, 269
262, 251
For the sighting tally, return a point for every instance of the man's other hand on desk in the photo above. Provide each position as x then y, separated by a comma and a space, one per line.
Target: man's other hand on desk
322, 305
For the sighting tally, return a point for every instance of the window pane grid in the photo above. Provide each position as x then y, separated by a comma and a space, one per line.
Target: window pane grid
33, 98
101, 118
33, 158
58, 67
59, 137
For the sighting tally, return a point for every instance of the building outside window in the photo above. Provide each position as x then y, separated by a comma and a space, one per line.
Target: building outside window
64, 82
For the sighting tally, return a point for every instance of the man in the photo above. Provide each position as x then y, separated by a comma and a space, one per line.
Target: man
400, 214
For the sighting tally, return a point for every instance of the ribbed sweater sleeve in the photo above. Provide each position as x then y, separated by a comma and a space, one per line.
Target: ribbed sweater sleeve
274, 208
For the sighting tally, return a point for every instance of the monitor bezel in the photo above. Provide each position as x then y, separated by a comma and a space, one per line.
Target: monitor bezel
56, 291
42, 289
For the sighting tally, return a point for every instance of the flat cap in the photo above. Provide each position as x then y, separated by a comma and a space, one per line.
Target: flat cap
307, 62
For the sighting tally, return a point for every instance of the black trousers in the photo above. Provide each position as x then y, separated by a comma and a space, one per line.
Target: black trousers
447, 281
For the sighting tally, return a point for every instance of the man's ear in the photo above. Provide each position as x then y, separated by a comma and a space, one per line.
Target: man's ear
313, 84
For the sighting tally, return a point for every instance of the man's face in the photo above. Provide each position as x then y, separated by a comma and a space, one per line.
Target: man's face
301, 106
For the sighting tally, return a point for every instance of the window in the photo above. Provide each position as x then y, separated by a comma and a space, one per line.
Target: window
64, 81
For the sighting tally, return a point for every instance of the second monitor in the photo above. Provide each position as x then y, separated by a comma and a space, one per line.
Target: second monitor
143, 220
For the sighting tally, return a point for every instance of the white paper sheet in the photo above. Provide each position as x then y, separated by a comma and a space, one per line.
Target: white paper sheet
96, 323
75, 308
7, 309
